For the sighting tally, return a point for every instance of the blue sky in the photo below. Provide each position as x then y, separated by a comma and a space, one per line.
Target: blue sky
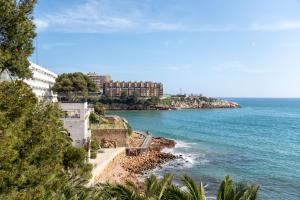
227, 48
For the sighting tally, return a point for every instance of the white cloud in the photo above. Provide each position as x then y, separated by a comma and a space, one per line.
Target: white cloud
99, 16
56, 45
174, 68
283, 25
95, 16
41, 24
165, 26
238, 66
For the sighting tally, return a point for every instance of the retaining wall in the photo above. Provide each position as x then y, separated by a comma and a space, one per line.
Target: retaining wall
117, 135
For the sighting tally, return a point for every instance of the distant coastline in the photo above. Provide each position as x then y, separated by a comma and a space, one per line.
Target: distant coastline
175, 104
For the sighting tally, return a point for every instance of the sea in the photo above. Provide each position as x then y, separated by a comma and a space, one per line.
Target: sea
258, 143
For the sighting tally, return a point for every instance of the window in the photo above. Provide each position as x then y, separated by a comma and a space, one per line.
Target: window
72, 113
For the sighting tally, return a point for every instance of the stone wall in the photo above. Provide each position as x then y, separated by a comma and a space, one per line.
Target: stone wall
120, 136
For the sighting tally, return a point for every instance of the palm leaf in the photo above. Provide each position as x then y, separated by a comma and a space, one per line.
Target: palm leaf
195, 192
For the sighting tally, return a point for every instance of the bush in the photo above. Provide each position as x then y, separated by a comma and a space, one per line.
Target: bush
99, 108
94, 118
74, 157
130, 130
93, 154
94, 145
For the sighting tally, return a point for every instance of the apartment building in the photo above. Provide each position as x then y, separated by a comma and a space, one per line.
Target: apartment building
99, 80
141, 89
41, 82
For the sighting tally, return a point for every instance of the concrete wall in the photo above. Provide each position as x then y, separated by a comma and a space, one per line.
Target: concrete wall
117, 135
77, 127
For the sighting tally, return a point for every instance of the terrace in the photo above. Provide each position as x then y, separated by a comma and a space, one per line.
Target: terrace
110, 122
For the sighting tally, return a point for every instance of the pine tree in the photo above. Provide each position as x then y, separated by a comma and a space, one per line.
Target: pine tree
16, 36
74, 83
36, 155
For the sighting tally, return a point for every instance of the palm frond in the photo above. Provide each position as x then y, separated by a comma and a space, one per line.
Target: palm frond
195, 192
226, 190
164, 184
175, 193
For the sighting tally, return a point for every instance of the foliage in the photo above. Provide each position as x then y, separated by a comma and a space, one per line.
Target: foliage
155, 188
154, 100
131, 100
74, 160
16, 36
124, 95
94, 145
166, 102
93, 154
94, 118
129, 128
230, 191
77, 82
35, 151
99, 108
164, 189
94, 148
16, 101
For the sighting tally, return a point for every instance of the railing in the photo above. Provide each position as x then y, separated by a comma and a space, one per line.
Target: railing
135, 151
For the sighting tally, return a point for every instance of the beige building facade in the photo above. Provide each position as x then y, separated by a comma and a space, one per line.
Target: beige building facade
99, 80
141, 89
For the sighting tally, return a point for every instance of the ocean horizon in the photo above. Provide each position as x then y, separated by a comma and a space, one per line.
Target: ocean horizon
257, 143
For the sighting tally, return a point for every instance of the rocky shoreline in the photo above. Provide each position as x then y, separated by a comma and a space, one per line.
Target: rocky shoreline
176, 105
130, 168
153, 158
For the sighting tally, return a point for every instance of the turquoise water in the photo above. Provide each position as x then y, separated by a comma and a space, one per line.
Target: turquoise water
258, 143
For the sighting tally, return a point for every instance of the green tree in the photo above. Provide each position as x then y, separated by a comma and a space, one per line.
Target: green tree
74, 83
133, 99
35, 151
99, 108
94, 118
230, 191
193, 191
126, 191
123, 95
164, 189
16, 101
154, 100
16, 36
156, 189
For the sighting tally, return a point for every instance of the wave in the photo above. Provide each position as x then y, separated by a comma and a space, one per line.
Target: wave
186, 160
182, 144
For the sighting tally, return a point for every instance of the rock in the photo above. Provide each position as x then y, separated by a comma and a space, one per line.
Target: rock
108, 143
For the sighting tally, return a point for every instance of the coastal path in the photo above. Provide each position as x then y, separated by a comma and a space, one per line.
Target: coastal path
135, 151
102, 160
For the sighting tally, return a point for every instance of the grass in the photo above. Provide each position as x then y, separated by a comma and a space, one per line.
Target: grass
116, 125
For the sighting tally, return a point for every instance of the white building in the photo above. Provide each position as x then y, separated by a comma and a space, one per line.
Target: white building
41, 82
76, 121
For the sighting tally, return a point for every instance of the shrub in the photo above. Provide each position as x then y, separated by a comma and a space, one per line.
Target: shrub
94, 119
130, 130
74, 157
94, 145
93, 154
99, 108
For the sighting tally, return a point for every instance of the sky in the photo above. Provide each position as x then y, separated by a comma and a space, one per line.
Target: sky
232, 48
